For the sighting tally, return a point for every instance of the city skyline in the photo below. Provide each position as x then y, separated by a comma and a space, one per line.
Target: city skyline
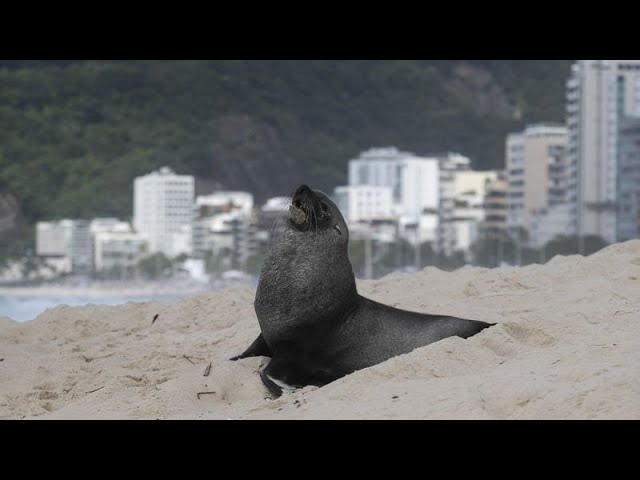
552, 189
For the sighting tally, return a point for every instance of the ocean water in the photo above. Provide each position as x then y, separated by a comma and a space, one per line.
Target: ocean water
22, 308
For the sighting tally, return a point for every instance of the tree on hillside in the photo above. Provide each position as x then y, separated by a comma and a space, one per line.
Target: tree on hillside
74, 134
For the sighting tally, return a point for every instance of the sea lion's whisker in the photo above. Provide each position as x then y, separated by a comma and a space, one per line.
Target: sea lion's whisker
275, 225
315, 218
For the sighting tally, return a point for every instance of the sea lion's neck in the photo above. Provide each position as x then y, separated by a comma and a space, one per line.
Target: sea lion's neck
304, 282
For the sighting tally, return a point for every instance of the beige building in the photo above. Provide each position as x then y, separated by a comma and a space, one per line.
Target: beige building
116, 245
470, 189
474, 183
536, 174
118, 249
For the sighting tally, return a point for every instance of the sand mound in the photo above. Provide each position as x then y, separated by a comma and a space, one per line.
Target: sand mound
567, 346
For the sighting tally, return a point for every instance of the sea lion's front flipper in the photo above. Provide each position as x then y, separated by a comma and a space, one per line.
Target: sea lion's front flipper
274, 388
258, 348
274, 376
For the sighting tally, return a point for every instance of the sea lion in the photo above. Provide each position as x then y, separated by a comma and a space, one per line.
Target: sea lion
314, 325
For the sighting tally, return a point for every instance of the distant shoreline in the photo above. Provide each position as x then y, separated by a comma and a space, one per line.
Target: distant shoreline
101, 291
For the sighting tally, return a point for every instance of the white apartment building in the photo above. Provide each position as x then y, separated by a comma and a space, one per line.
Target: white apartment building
422, 192
51, 239
66, 238
81, 247
231, 236
163, 211
536, 174
225, 225
108, 224
420, 186
600, 93
359, 203
118, 249
420, 230
414, 183
115, 245
379, 167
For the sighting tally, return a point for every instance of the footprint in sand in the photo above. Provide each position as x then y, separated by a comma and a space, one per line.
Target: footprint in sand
531, 336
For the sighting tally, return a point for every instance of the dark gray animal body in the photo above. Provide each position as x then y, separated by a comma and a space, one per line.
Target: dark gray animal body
314, 325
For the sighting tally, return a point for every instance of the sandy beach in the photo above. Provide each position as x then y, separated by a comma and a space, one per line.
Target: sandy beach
567, 346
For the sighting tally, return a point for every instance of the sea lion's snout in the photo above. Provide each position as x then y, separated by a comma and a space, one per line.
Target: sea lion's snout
300, 204
297, 214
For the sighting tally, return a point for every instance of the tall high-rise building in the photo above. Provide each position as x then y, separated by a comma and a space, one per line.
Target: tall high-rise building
536, 174
628, 223
600, 94
163, 210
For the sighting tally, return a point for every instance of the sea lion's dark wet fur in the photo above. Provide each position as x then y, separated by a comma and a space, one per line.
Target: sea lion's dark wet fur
314, 325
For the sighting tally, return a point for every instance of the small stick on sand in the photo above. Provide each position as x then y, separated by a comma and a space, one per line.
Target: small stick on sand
91, 391
88, 359
204, 393
155, 317
207, 370
190, 361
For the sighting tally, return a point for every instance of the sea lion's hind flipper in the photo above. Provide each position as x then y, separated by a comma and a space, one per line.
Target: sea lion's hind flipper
258, 348
475, 328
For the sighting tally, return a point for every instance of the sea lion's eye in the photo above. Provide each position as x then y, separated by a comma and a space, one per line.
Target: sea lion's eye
324, 206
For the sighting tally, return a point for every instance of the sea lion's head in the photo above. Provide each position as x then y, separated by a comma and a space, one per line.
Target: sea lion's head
313, 211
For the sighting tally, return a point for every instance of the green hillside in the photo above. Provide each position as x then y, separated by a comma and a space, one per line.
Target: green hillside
74, 134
